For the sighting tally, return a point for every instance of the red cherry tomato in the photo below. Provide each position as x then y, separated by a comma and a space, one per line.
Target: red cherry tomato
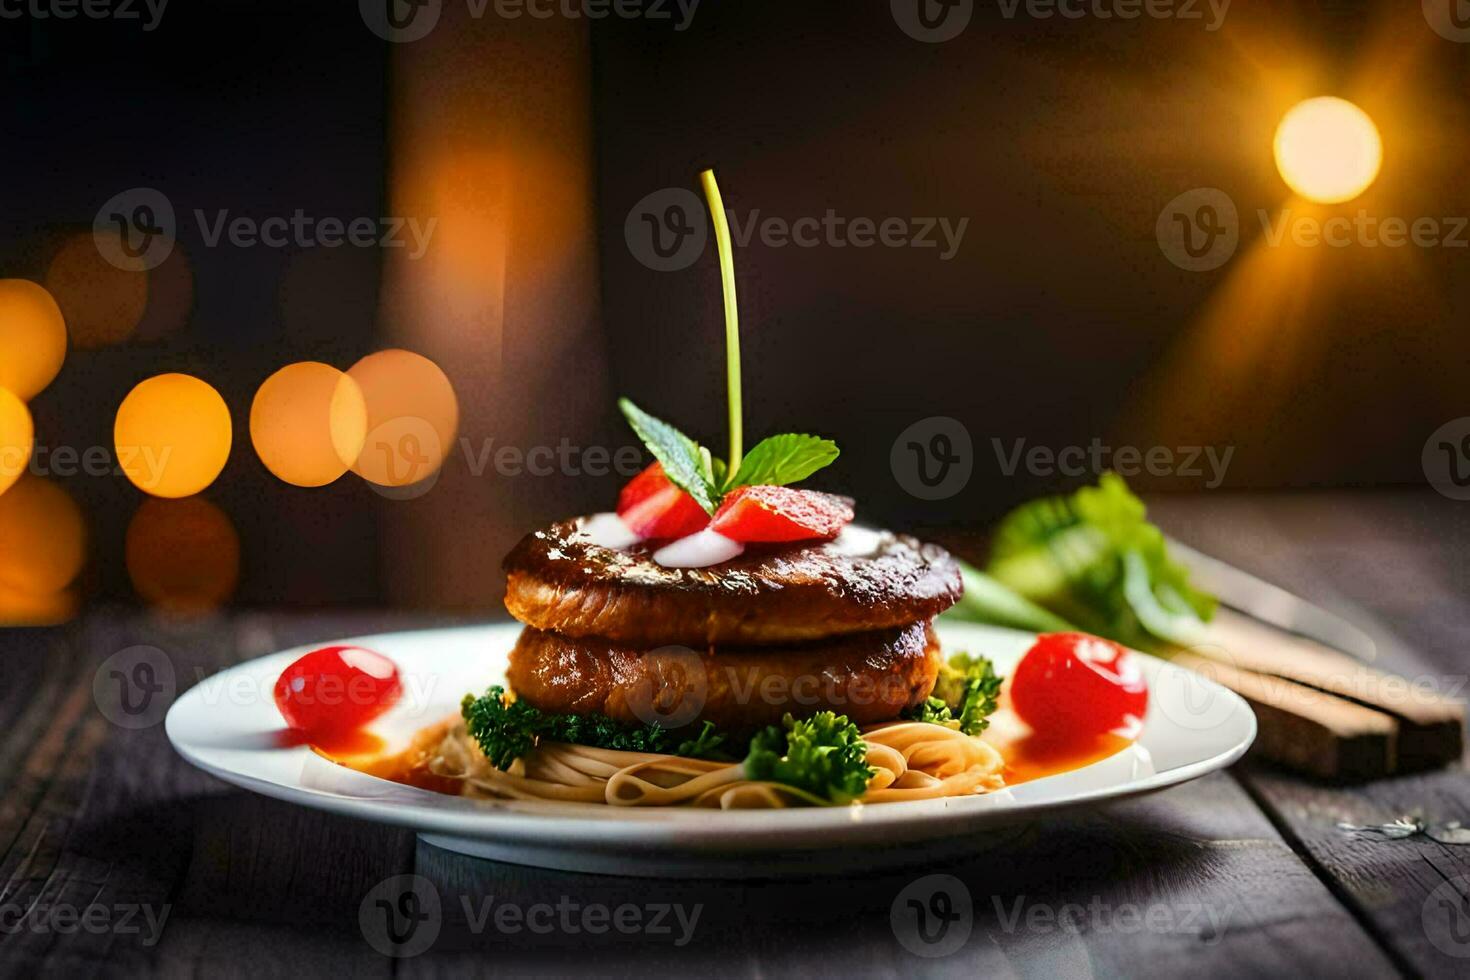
653, 507
780, 514
337, 689
1072, 685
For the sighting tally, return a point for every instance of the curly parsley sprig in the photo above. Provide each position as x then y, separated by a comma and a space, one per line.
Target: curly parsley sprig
965, 695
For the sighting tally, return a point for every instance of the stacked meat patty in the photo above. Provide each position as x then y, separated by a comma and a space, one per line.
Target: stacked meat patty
843, 625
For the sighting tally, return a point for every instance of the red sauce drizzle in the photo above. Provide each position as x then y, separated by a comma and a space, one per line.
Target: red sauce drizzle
1028, 757
1036, 756
363, 752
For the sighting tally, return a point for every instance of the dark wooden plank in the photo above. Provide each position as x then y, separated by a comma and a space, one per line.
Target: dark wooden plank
36, 676
271, 888
108, 837
1398, 887
87, 890
1396, 564
1192, 880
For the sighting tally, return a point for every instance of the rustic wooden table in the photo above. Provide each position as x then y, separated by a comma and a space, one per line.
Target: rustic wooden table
120, 858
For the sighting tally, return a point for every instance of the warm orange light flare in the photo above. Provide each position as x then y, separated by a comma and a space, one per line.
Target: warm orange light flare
32, 337
1328, 150
103, 304
172, 435
183, 556
308, 423
16, 437
19, 608
412, 417
45, 539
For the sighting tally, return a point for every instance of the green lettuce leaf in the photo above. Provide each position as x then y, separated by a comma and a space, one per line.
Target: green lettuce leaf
1094, 560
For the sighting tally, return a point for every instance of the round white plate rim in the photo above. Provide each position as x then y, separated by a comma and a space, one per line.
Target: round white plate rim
614, 829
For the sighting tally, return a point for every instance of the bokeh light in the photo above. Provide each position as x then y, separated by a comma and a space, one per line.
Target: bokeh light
32, 337
183, 556
17, 435
308, 423
172, 435
170, 297
19, 608
1328, 150
45, 538
102, 304
412, 417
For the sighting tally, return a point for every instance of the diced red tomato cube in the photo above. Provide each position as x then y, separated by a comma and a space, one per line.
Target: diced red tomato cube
653, 507
781, 514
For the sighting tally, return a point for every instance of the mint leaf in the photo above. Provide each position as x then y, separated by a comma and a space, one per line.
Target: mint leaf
782, 460
686, 464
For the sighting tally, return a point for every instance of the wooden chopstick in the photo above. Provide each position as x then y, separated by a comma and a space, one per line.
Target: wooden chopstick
1323, 712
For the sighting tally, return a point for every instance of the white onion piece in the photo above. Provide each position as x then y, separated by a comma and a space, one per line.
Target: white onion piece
609, 531
858, 542
698, 550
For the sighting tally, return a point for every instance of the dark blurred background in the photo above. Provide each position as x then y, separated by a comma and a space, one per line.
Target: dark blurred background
1058, 319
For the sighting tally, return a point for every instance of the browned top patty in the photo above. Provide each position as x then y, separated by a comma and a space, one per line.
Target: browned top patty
870, 677
559, 579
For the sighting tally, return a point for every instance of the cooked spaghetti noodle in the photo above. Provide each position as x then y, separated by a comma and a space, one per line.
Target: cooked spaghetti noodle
910, 761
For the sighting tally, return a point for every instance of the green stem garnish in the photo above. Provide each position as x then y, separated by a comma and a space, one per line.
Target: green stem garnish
775, 461
732, 319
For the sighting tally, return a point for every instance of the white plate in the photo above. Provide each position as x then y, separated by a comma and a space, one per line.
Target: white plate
228, 725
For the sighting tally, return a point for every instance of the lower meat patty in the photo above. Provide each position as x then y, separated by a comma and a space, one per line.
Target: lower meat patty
560, 579
869, 677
